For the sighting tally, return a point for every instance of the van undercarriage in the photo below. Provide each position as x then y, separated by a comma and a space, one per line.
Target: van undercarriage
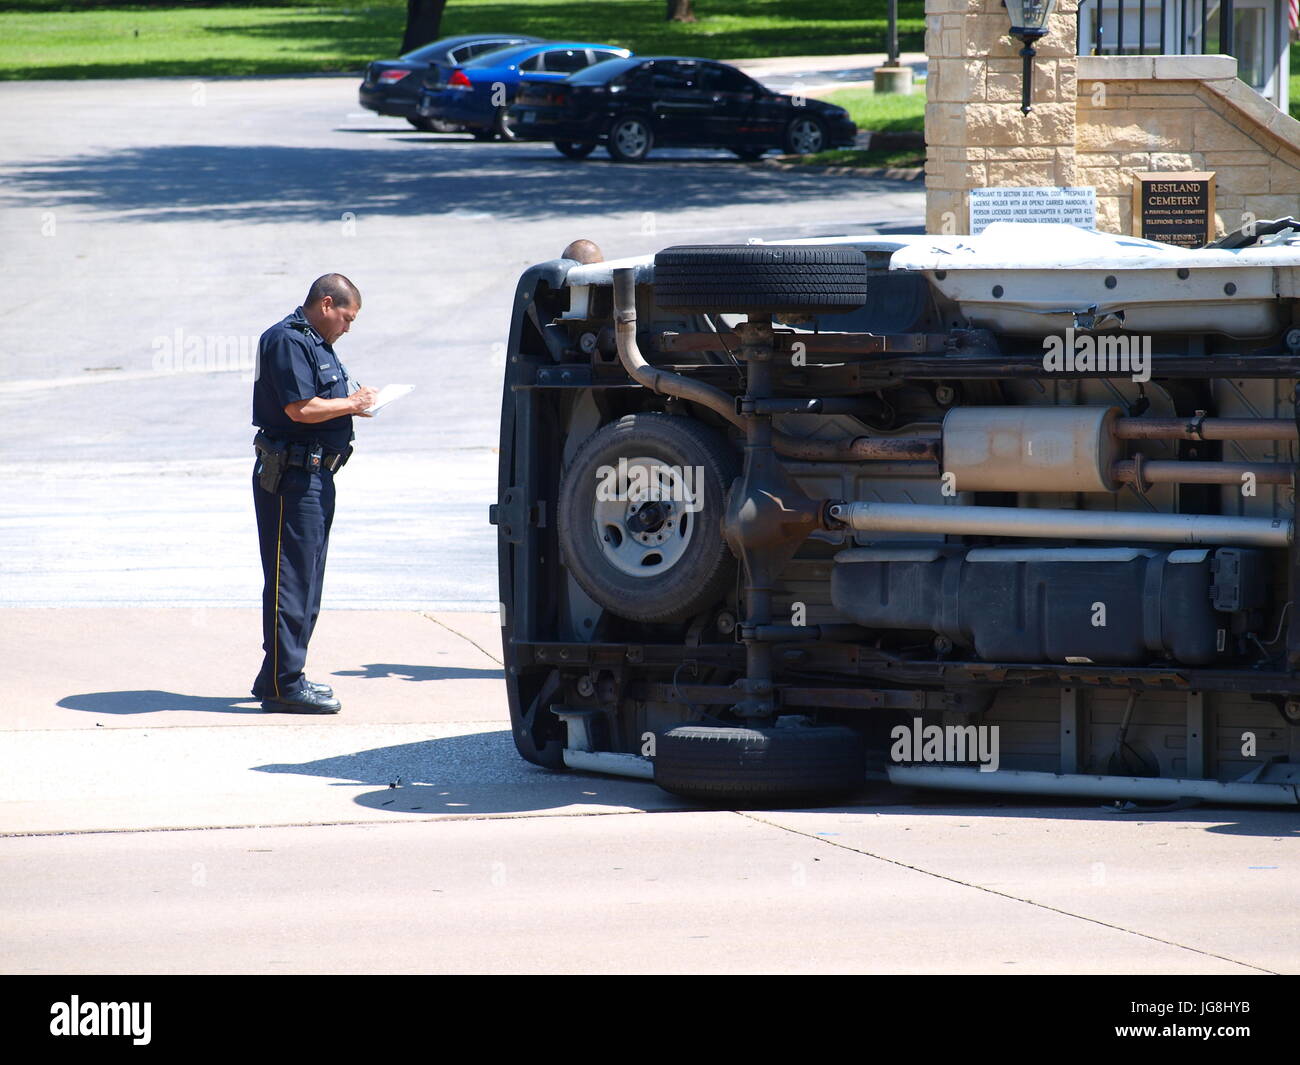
774, 519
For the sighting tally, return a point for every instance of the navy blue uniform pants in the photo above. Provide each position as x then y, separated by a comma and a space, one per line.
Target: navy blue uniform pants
293, 529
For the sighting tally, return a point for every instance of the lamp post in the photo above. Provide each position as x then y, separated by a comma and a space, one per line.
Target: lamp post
1029, 23
892, 61
892, 77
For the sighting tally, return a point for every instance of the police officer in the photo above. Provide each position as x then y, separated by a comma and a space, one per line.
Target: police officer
303, 409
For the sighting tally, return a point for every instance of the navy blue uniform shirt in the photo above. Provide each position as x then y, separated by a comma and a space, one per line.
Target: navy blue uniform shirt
293, 364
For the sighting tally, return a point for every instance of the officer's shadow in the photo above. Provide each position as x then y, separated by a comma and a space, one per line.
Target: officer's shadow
154, 702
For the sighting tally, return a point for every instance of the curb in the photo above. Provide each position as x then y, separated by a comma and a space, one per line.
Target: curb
894, 173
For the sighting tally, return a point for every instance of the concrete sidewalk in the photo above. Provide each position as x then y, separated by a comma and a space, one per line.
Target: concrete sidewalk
817, 65
125, 719
820, 73
171, 668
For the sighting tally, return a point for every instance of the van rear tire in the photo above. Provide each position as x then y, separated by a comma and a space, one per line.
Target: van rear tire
659, 561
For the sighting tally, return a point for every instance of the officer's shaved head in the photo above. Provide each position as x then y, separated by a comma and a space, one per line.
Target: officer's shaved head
583, 251
343, 292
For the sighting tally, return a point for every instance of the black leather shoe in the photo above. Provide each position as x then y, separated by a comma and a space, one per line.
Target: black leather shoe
322, 689
305, 702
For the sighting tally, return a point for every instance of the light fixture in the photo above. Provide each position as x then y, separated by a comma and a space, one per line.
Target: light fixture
1029, 23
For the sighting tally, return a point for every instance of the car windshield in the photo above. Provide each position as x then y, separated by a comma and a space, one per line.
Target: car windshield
500, 56
599, 73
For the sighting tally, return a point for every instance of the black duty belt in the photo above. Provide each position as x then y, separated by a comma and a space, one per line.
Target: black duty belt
309, 455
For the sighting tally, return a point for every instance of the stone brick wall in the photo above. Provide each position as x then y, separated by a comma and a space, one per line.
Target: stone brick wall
1096, 120
1140, 113
974, 131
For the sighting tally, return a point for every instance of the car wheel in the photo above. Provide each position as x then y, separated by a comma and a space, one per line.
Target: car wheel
425, 125
574, 150
630, 139
759, 764
500, 127
805, 135
748, 154
640, 517
1290, 711
761, 279
484, 134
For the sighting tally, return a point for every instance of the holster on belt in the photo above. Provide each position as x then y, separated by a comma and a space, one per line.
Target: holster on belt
272, 461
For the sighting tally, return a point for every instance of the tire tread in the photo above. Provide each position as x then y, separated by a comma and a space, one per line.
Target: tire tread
713, 762
761, 279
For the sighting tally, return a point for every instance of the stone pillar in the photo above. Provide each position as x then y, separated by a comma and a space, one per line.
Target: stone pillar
974, 132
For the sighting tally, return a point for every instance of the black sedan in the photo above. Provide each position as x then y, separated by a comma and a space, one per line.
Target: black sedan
391, 86
632, 105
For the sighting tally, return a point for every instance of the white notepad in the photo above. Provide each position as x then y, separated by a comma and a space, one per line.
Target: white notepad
389, 394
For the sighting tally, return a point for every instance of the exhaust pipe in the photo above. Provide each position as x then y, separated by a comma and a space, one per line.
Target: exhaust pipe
667, 383
1202, 428
663, 382
1141, 471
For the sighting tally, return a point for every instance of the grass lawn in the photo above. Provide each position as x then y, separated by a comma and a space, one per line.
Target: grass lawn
889, 112
90, 39
104, 38
892, 113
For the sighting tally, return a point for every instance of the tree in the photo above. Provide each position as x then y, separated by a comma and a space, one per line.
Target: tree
681, 10
423, 23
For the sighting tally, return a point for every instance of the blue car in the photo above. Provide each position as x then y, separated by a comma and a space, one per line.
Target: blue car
392, 86
477, 94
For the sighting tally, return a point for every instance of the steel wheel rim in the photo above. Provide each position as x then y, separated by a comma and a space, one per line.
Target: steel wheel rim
654, 551
631, 137
806, 136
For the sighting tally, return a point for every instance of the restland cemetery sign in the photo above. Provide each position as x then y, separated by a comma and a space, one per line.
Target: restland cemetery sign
1174, 208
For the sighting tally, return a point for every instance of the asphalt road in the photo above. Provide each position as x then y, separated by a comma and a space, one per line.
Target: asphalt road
892, 889
142, 222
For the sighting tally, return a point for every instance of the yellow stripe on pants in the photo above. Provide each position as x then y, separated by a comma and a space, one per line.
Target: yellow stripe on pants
275, 628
